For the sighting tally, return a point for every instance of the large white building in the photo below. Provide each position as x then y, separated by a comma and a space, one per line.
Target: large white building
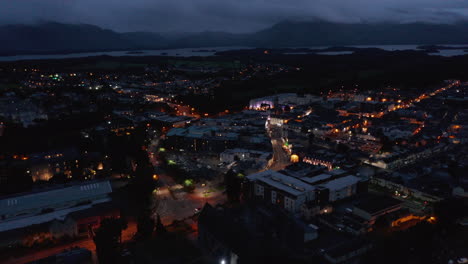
285, 191
342, 187
22, 210
292, 193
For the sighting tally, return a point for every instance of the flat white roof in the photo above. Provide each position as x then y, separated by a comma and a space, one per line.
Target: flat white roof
341, 183
44, 218
49, 198
317, 178
336, 172
282, 182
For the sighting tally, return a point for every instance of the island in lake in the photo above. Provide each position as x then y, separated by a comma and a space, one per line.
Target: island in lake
135, 52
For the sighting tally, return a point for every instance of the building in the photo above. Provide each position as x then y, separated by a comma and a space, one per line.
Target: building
293, 193
276, 188
20, 111
231, 155
201, 139
43, 165
393, 186
302, 170
341, 188
374, 206
285, 99
45, 206
168, 121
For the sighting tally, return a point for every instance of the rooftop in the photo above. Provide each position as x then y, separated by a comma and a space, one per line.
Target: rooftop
376, 203
282, 182
341, 183
48, 198
316, 179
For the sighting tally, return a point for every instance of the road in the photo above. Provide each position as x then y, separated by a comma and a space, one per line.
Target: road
403, 105
32, 255
280, 158
420, 98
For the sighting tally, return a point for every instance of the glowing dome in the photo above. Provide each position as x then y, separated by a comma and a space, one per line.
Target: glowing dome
294, 158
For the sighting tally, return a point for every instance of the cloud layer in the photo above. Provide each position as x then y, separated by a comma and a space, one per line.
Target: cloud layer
225, 15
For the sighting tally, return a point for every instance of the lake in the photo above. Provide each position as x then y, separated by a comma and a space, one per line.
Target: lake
203, 52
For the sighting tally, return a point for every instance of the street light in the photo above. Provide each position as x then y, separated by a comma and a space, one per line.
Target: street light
222, 261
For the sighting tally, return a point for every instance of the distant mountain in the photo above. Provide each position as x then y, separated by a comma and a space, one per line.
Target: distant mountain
319, 33
208, 39
288, 34
145, 40
59, 38
56, 37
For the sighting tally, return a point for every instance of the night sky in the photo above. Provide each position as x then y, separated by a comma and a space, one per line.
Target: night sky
225, 15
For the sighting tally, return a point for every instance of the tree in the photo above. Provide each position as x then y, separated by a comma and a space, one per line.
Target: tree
233, 186
387, 144
448, 211
107, 239
311, 140
145, 225
342, 148
59, 178
455, 170
18, 180
160, 228
143, 183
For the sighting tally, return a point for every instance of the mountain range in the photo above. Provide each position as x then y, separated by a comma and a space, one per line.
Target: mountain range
52, 37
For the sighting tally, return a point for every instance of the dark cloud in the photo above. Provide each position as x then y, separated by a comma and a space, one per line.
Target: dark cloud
226, 15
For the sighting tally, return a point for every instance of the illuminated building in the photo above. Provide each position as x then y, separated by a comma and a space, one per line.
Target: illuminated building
285, 191
274, 101
294, 158
201, 138
291, 193
316, 161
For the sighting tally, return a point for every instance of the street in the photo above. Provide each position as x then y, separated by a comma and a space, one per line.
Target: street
280, 157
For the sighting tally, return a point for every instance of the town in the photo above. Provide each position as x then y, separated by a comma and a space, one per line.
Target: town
136, 163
